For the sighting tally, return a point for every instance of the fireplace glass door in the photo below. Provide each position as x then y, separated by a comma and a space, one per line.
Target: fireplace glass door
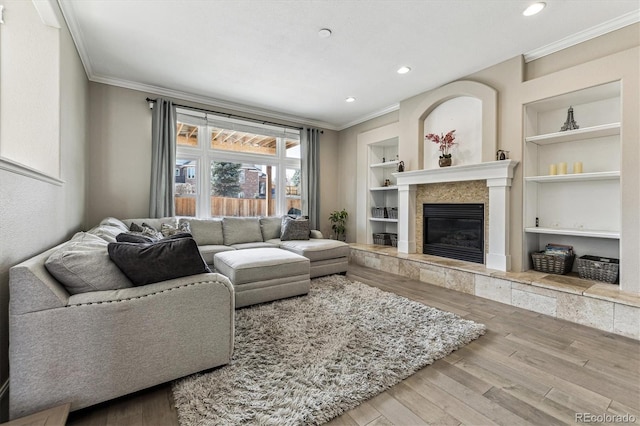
455, 231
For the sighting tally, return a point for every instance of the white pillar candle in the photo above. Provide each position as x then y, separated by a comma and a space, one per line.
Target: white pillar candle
553, 170
562, 168
577, 167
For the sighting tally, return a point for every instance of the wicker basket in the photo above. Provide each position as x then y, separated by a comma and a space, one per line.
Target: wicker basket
379, 212
393, 212
598, 268
382, 238
552, 264
394, 240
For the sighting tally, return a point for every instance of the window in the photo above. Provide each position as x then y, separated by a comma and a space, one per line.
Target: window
249, 169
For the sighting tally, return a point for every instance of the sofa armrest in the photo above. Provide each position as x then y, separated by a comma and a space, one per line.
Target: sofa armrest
315, 234
115, 344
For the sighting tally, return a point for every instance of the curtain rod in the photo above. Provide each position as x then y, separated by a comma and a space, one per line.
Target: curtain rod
228, 115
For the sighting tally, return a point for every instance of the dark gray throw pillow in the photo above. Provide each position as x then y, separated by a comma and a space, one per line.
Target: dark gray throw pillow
133, 237
160, 261
294, 229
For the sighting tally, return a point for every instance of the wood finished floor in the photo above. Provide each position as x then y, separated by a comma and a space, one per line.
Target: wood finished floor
527, 369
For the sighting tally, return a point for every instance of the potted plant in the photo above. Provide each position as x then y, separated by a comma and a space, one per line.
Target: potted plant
339, 221
445, 143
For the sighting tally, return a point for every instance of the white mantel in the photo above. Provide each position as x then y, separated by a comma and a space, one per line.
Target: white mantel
498, 175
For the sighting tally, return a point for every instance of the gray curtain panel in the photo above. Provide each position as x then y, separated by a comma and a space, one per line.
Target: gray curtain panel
163, 159
310, 176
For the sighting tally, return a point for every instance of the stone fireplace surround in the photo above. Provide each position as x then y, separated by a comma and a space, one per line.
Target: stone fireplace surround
585, 302
498, 176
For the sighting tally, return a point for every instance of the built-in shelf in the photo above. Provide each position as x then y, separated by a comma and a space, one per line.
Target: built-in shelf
575, 232
384, 188
576, 135
380, 219
386, 164
581, 177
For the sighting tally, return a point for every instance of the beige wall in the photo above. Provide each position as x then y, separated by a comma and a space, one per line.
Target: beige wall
120, 156
607, 58
34, 214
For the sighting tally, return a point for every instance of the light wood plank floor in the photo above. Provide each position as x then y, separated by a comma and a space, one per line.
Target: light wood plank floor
527, 369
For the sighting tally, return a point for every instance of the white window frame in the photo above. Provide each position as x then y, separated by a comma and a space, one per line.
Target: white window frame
203, 154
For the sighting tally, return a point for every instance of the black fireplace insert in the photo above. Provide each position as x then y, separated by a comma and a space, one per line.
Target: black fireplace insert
455, 231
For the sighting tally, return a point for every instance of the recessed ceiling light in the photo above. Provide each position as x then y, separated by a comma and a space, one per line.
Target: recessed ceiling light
324, 33
534, 8
350, 99
403, 70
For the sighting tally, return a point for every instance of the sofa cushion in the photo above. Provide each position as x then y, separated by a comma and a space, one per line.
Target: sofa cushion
205, 231
238, 230
270, 227
83, 265
210, 250
245, 246
259, 264
160, 261
317, 249
294, 229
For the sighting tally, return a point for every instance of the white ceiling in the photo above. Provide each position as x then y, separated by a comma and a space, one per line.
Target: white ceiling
266, 55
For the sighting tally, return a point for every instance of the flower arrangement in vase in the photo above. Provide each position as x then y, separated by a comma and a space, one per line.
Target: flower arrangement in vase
445, 143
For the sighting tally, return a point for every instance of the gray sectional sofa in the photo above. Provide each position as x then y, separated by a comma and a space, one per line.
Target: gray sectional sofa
97, 336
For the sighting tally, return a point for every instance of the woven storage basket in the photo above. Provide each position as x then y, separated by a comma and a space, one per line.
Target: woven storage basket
598, 268
552, 264
379, 212
394, 240
393, 212
382, 238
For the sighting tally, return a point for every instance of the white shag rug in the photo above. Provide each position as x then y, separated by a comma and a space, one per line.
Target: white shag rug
306, 360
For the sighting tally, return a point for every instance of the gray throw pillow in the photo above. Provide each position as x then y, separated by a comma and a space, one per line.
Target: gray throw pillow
83, 265
238, 230
294, 229
173, 257
270, 227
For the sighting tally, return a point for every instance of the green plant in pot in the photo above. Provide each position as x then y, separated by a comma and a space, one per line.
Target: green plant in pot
338, 223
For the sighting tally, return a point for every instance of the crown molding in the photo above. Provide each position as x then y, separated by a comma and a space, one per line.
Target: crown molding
390, 108
582, 36
209, 101
76, 36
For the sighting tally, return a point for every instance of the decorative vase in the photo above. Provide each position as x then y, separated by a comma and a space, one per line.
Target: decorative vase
444, 162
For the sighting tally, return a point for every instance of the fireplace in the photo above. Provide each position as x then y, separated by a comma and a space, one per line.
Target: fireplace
455, 231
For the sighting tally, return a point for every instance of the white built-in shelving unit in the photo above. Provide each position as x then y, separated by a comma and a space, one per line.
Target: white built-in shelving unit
383, 163
377, 161
578, 209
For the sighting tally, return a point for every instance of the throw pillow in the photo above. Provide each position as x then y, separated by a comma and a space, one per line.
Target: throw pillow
294, 229
168, 230
238, 230
160, 261
133, 237
270, 227
146, 230
83, 265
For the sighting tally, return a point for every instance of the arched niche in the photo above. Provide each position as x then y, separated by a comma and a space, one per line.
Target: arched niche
478, 104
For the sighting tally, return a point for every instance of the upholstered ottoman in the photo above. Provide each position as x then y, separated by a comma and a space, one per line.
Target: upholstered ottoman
263, 274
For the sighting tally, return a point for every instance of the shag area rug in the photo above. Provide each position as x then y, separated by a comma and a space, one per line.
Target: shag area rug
306, 360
